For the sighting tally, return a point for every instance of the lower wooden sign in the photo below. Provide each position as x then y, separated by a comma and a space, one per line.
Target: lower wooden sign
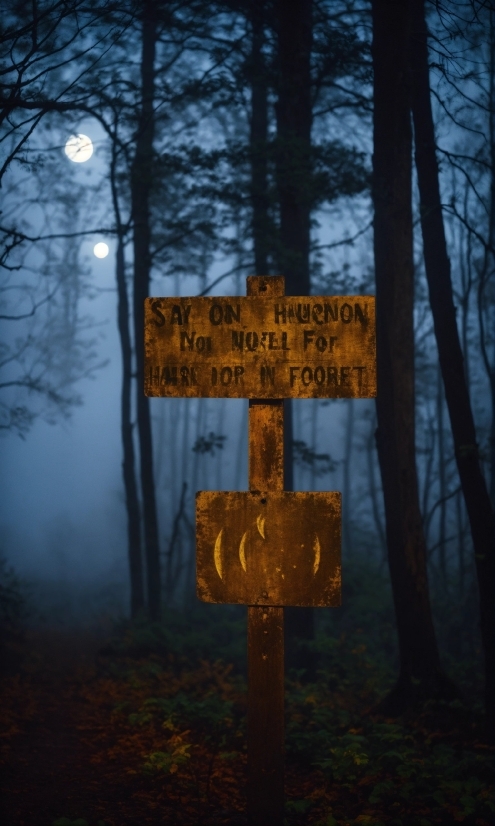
278, 548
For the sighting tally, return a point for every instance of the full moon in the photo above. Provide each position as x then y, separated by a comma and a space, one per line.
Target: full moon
79, 148
101, 250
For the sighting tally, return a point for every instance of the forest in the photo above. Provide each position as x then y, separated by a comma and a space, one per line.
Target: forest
174, 148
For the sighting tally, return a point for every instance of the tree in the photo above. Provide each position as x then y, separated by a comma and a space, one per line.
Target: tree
258, 139
293, 22
293, 145
141, 183
128, 463
316, 46
123, 104
47, 345
50, 48
43, 354
420, 675
476, 496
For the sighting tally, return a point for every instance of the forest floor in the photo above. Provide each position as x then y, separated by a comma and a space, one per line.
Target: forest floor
99, 733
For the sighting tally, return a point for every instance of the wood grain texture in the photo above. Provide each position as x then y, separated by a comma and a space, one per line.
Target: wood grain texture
266, 446
265, 716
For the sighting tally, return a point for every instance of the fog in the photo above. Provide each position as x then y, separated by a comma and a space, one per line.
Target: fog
62, 510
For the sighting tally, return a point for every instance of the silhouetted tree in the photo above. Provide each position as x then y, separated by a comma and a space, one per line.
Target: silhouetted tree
133, 510
258, 138
437, 263
43, 354
420, 675
141, 183
293, 24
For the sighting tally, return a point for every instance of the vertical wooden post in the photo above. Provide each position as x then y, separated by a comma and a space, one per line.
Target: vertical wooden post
266, 625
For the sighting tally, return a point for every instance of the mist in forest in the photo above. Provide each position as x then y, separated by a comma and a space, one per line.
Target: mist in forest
62, 509
173, 149
192, 148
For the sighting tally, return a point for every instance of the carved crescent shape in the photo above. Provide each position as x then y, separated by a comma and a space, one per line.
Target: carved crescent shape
317, 551
261, 525
242, 550
217, 554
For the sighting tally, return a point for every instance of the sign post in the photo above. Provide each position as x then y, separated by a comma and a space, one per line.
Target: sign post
265, 548
265, 786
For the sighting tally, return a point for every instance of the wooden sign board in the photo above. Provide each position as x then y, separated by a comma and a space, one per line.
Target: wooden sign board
262, 348
275, 548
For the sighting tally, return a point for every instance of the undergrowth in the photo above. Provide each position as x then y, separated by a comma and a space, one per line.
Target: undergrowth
344, 763
165, 713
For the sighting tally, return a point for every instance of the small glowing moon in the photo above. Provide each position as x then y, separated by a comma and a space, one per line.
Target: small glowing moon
79, 148
101, 250
261, 525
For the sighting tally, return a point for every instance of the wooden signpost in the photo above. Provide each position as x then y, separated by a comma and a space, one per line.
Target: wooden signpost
267, 547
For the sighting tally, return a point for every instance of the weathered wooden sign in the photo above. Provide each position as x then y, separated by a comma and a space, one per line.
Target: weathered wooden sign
265, 548
275, 548
261, 347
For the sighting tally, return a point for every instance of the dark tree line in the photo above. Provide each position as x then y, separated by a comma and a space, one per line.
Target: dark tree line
480, 509
274, 80
402, 89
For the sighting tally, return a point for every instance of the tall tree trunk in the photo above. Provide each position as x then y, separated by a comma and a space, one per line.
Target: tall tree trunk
375, 509
141, 179
490, 254
442, 488
420, 675
294, 117
258, 140
478, 505
128, 463
461, 548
